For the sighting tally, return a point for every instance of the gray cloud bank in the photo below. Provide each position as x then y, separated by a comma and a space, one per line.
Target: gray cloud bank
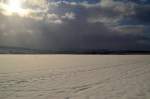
64, 25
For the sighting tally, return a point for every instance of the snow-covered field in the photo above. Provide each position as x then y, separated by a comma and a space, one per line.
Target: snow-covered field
74, 77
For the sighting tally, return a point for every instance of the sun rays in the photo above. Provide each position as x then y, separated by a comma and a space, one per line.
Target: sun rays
14, 7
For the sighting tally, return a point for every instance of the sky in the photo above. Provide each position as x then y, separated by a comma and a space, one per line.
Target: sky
76, 24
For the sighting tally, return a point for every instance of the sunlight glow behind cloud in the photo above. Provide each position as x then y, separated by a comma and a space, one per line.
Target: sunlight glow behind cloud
21, 7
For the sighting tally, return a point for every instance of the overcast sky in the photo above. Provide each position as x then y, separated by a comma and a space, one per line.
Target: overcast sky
77, 24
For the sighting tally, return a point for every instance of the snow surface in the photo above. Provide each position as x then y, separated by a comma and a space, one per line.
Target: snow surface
74, 77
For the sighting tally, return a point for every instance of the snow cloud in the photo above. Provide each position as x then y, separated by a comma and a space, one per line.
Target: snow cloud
67, 24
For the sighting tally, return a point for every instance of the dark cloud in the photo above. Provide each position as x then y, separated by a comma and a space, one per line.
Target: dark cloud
67, 25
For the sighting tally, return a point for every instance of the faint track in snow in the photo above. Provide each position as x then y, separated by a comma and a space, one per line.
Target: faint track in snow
78, 81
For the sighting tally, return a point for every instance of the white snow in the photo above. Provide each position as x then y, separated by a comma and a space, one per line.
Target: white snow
74, 77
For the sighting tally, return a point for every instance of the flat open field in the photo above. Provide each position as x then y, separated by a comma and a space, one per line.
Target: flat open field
74, 77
